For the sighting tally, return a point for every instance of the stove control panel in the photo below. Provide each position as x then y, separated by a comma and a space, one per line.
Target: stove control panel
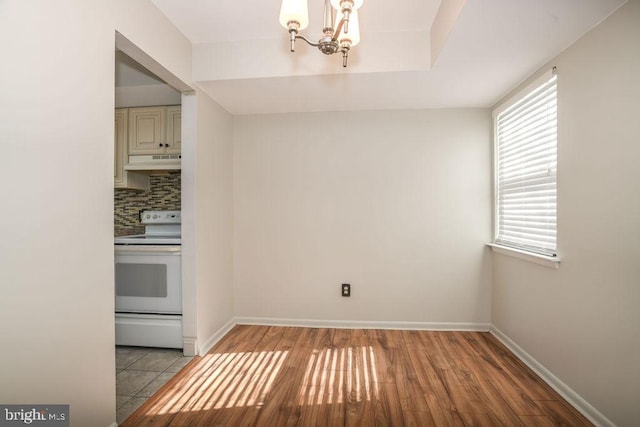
160, 217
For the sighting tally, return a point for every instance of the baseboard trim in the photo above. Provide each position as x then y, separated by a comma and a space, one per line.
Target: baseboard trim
217, 336
189, 346
357, 324
547, 376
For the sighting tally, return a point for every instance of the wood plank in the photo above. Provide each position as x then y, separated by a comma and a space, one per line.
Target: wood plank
563, 414
496, 400
443, 414
282, 405
392, 338
384, 358
453, 349
480, 420
418, 419
432, 344
286, 376
537, 421
387, 409
459, 387
517, 370
248, 383
340, 338
240, 338
203, 404
473, 344
409, 383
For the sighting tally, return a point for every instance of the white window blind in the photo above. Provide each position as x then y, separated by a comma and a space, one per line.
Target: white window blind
526, 171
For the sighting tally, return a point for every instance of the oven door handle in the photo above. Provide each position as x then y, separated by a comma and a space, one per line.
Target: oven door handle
147, 249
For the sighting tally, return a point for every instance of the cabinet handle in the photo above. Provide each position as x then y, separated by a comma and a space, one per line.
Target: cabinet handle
161, 145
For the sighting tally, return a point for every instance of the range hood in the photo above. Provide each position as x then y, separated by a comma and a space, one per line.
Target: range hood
155, 162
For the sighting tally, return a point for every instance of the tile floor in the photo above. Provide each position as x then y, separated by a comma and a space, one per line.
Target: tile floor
140, 372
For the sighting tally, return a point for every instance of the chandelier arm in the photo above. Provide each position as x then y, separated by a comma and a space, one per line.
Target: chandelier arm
339, 27
344, 22
309, 42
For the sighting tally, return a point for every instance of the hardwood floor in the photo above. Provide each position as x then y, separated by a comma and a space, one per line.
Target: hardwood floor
285, 376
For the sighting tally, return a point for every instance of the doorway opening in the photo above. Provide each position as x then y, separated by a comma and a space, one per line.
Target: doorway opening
148, 139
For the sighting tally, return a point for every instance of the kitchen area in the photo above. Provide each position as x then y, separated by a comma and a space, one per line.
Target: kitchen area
147, 234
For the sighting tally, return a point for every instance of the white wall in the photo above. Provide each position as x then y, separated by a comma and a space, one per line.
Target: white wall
208, 199
582, 321
395, 203
56, 251
143, 96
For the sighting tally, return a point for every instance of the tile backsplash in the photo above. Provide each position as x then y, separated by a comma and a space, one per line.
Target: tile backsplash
164, 194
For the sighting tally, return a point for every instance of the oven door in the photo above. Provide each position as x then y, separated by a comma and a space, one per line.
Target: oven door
148, 279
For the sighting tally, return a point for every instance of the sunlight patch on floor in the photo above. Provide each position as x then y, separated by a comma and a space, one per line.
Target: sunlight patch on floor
336, 375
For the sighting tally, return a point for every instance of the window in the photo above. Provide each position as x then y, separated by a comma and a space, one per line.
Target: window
526, 169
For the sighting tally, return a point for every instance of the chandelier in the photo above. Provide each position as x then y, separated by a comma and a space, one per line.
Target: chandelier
340, 37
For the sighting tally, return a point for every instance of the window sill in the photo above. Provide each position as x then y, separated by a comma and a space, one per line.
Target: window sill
545, 261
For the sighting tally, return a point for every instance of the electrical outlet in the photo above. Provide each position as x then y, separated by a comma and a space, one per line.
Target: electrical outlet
346, 290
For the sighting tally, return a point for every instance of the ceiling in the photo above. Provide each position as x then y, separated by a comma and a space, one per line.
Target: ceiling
413, 54
130, 73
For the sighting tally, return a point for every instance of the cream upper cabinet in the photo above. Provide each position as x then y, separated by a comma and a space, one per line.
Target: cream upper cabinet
154, 130
122, 178
174, 129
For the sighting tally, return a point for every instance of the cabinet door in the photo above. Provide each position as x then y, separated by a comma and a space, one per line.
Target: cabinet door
121, 177
174, 129
146, 130
120, 146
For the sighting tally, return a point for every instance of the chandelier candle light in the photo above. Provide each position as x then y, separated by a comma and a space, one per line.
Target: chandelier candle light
294, 16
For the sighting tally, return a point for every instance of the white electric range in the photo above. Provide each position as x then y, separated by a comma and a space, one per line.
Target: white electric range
161, 228
148, 283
